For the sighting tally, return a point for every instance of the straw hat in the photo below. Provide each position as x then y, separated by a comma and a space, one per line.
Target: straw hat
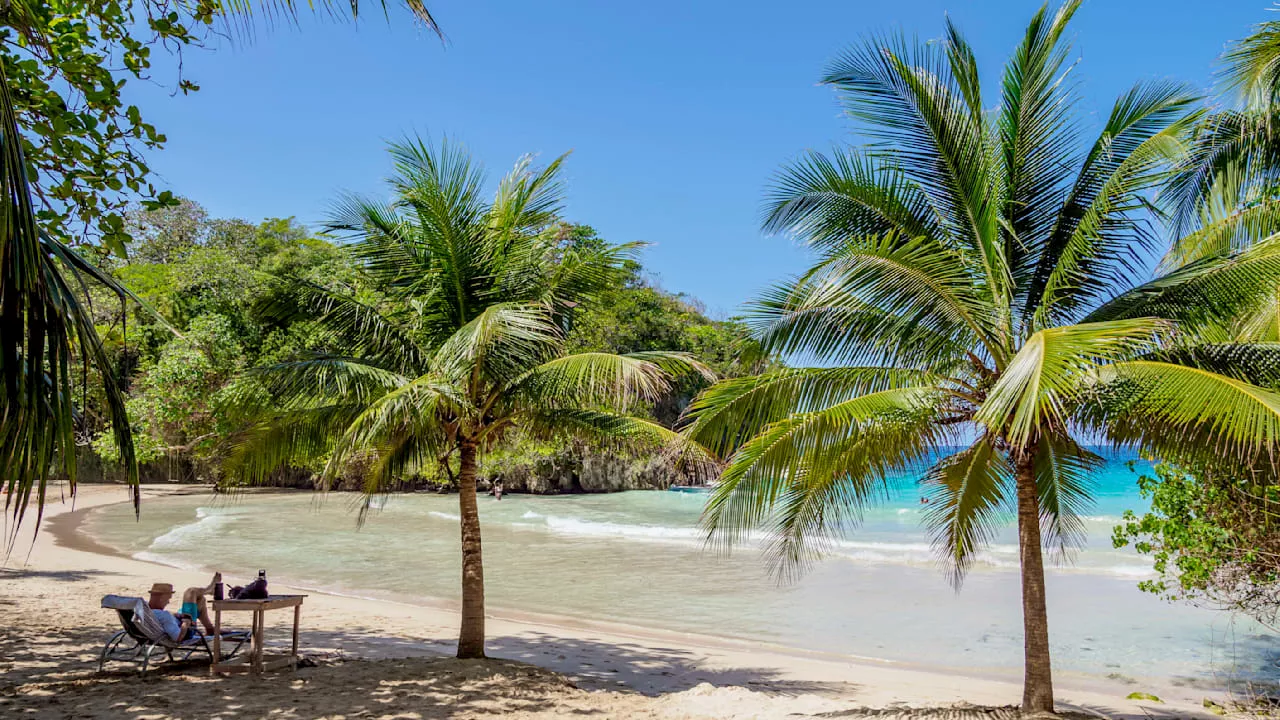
162, 589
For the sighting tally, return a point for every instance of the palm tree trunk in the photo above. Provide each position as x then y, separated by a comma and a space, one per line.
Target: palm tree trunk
471, 635
1037, 684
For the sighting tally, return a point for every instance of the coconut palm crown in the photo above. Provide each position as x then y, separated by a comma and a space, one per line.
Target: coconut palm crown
977, 284
466, 343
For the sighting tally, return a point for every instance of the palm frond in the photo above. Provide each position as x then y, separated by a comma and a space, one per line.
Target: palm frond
1214, 291
733, 411
1237, 230
1173, 410
43, 328
1101, 236
326, 379
1233, 153
356, 326
907, 99
527, 200
576, 274
825, 199
908, 278
238, 13
810, 319
409, 410
968, 495
807, 478
501, 344
440, 188
385, 243
1257, 363
296, 436
1052, 370
1252, 66
1037, 133
1065, 474
1258, 324
590, 379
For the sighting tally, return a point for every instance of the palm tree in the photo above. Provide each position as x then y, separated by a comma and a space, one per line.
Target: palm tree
976, 283
44, 324
467, 346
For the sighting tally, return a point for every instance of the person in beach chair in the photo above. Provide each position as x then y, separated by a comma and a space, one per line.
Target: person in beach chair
194, 609
151, 631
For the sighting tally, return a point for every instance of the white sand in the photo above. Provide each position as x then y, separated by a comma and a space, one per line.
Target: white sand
52, 628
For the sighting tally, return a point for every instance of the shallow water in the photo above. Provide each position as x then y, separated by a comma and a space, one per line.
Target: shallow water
638, 558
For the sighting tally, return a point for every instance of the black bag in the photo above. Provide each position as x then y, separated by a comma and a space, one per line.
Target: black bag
256, 590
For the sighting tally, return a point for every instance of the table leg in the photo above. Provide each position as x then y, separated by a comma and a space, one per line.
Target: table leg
293, 654
256, 658
217, 640
262, 644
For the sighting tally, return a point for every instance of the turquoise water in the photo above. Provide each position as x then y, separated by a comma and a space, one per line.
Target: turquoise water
639, 558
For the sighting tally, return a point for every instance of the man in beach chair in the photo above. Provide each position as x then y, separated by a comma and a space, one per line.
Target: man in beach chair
151, 631
194, 609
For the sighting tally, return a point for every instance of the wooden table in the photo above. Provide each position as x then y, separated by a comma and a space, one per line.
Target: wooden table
254, 662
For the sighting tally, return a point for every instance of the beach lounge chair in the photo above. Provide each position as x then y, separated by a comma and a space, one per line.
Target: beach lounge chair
143, 639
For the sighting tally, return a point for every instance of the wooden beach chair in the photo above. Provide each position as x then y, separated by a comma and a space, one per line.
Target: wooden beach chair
142, 638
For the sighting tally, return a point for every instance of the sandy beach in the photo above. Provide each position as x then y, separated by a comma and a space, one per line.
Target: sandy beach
381, 659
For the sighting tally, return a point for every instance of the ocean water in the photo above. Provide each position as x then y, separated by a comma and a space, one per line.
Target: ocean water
639, 558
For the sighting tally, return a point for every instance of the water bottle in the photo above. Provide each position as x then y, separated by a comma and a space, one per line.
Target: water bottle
217, 591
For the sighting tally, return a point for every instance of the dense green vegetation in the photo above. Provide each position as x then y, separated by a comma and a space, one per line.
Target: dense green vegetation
216, 283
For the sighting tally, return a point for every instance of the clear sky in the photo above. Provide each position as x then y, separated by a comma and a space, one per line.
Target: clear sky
677, 113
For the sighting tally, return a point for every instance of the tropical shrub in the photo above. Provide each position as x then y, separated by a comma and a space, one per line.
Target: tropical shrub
1213, 534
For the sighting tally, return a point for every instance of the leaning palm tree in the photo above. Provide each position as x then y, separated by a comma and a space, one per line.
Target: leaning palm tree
976, 284
467, 345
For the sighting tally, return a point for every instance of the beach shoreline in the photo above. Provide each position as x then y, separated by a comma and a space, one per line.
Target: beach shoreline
594, 655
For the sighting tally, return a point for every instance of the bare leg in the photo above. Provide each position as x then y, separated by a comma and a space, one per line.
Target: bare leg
208, 589
196, 595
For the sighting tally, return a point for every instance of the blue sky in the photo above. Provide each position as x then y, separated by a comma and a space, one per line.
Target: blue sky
677, 113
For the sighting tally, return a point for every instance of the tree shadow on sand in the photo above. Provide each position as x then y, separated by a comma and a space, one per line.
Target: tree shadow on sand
647, 669
51, 673
11, 574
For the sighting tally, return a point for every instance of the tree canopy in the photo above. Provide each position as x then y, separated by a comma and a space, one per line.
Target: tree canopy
215, 281
68, 62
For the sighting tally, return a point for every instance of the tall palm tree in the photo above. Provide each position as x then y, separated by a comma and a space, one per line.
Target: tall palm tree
469, 344
44, 325
976, 283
